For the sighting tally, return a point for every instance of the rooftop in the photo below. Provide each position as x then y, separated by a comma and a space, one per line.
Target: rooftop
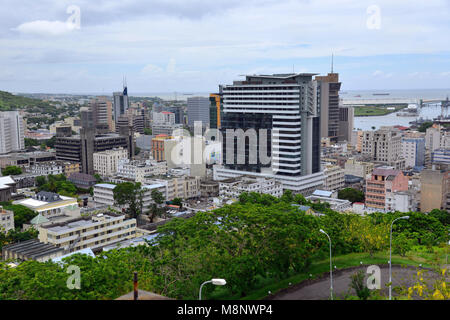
6, 181
33, 249
385, 172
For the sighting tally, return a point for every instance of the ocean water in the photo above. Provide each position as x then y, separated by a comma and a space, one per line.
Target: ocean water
441, 94
363, 123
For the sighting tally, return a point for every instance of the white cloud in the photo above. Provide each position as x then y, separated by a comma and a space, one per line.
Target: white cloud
151, 69
216, 41
45, 28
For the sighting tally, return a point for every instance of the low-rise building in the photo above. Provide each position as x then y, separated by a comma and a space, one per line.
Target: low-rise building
6, 220
183, 187
54, 168
403, 201
340, 205
104, 194
50, 204
358, 168
82, 180
209, 188
334, 178
384, 180
31, 250
92, 232
46, 168
168, 129
233, 187
136, 170
7, 187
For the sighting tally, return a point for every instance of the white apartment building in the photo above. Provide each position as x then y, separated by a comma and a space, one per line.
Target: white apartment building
436, 138
403, 201
136, 170
12, 132
334, 178
233, 187
164, 117
104, 194
413, 150
383, 145
47, 168
88, 232
106, 163
6, 220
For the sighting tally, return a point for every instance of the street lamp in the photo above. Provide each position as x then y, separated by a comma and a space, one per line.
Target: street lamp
390, 257
216, 282
331, 269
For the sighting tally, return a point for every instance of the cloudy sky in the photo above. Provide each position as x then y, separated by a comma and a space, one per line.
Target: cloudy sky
87, 46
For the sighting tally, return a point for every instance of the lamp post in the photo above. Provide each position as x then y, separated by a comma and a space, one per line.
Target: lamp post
390, 256
216, 282
331, 269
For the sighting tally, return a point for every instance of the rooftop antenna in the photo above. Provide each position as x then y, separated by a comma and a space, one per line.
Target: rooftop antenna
293, 68
332, 58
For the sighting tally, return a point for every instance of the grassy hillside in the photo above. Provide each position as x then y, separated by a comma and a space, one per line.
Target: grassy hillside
9, 101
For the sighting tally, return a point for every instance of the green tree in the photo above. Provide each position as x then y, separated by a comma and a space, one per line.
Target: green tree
147, 131
130, 195
11, 171
98, 178
424, 126
401, 244
442, 215
351, 195
155, 209
31, 142
40, 181
22, 214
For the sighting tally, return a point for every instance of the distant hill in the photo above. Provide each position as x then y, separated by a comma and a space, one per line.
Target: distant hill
9, 102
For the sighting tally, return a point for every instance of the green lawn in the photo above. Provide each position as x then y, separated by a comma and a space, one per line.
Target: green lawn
316, 269
376, 110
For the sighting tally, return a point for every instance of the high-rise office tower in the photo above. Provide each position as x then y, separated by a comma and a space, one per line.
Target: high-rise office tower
102, 113
328, 104
215, 110
11, 132
198, 110
285, 106
120, 103
346, 117
87, 136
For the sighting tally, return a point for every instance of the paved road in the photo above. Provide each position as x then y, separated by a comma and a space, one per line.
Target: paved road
319, 289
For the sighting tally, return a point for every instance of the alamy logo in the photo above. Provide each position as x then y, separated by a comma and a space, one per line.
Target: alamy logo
74, 21
74, 280
374, 280
374, 17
